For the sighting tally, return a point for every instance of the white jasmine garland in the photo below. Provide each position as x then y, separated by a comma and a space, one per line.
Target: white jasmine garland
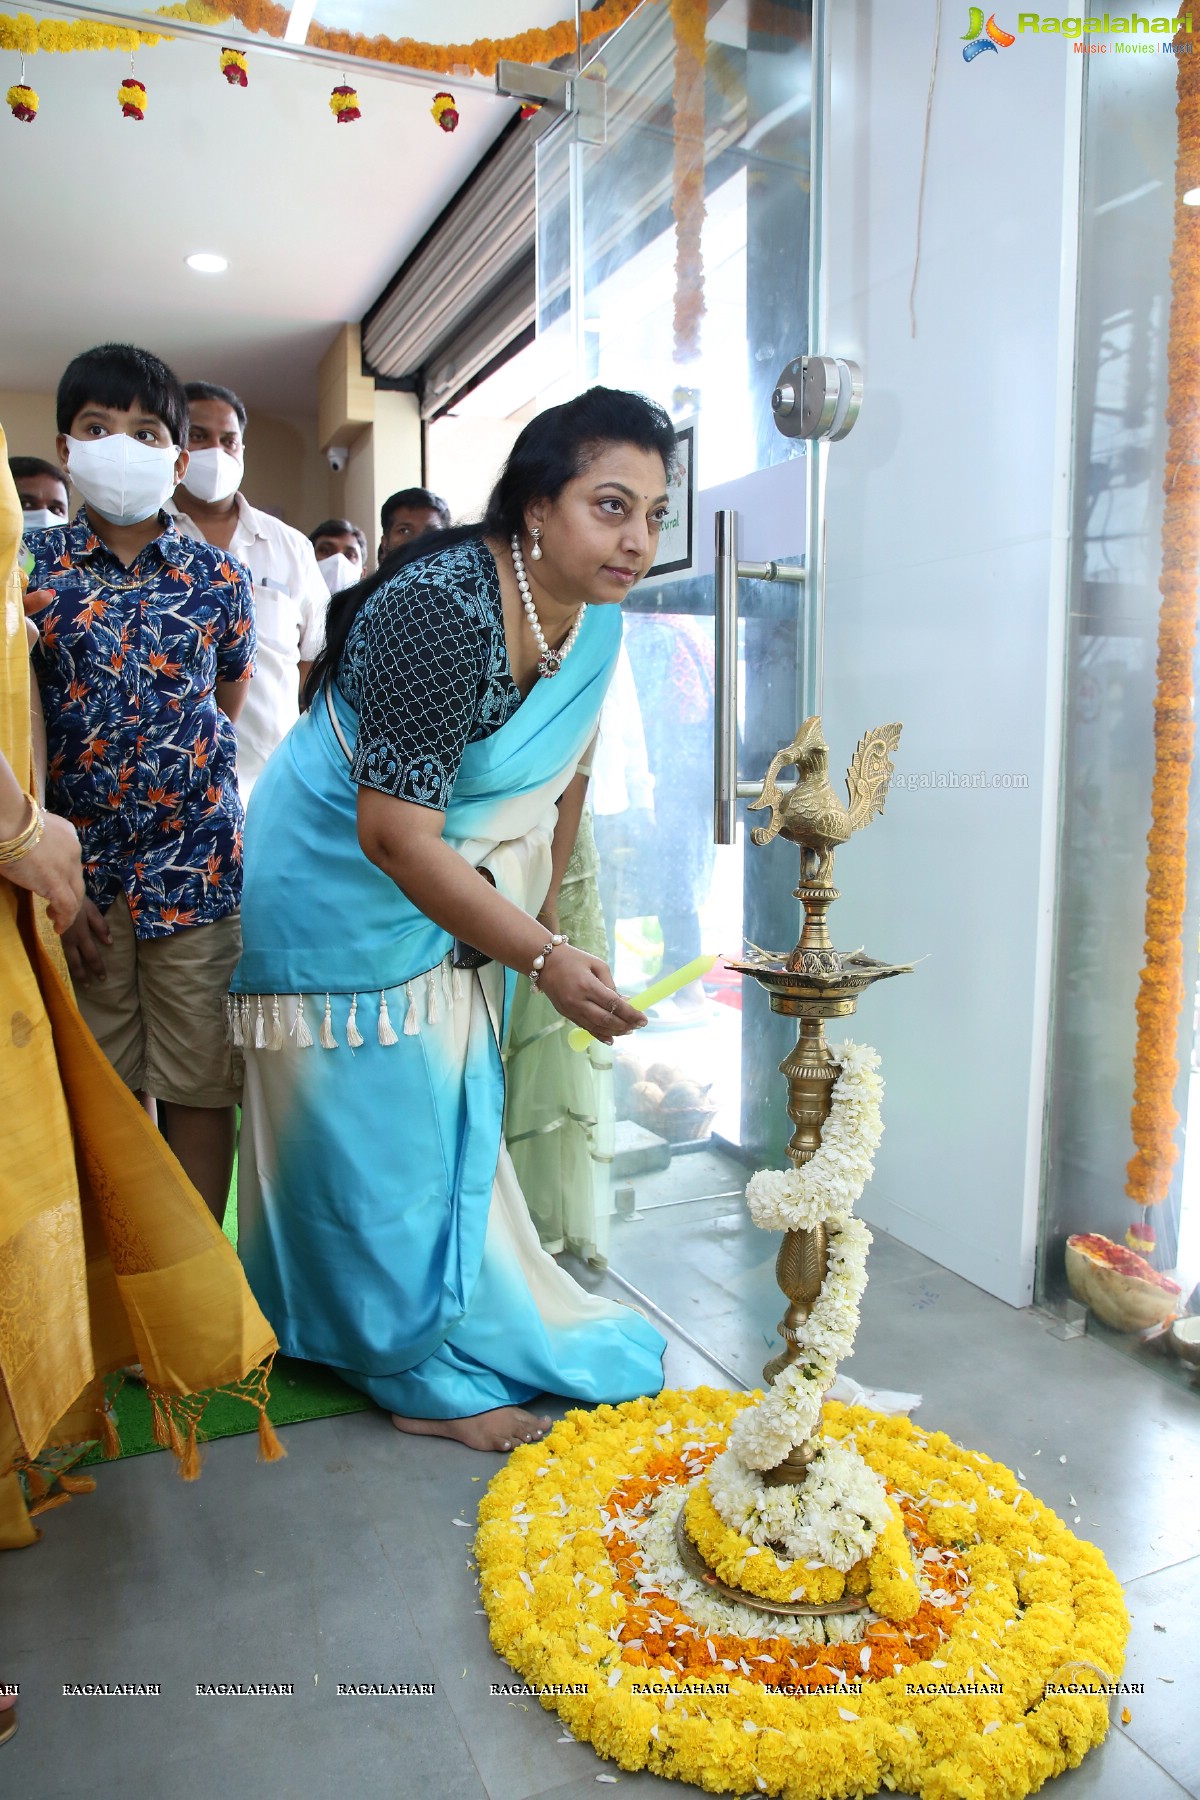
791, 1409
823, 1192
662, 1572
832, 1519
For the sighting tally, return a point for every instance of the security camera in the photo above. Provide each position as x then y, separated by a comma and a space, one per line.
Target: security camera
338, 456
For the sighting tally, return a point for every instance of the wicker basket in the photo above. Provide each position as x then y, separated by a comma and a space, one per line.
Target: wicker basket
684, 1124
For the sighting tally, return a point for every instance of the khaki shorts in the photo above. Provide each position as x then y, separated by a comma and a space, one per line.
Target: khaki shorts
159, 1017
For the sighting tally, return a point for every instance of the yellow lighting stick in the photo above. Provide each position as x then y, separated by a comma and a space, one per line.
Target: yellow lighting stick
662, 989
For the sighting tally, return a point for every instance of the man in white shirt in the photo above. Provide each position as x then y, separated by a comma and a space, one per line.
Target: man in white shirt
290, 596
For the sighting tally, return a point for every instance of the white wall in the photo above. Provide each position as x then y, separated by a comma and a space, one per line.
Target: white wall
946, 598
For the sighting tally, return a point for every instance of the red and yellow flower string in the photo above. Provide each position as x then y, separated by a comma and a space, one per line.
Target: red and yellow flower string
1160, 987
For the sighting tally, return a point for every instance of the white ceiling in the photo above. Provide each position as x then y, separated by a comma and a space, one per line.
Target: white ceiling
97, 212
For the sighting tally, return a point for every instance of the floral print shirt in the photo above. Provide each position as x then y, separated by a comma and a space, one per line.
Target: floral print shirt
140, 757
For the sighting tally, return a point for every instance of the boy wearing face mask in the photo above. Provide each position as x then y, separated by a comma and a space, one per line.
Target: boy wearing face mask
290, 598
144, 656
341, 552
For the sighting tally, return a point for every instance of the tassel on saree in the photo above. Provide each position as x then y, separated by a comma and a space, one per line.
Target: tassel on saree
457, 984
276, 1041
432, 1015
447, 985
235, 1022
260, 1028
412, 1024
354, 1036
300, 1031
110, 1437
386, 1035
327, 1039
245, 1005
269, 1447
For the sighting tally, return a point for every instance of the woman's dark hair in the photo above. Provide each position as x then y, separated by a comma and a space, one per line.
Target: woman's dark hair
340, 528
553, 448
122, 375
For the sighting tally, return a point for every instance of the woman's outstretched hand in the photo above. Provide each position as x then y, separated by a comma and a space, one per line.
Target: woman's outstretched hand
582, 989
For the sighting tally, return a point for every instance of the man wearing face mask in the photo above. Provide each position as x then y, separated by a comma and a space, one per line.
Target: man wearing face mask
42, 491
144, 655
290, 598
341, 552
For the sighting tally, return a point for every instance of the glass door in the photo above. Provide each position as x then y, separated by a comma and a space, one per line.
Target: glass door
673, 258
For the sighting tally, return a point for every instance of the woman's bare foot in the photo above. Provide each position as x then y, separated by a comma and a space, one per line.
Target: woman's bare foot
499, 1429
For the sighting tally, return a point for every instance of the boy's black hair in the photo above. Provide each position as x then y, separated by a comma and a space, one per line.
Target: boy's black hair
414, 500
22, 468
122, 375
339, 528
209, 390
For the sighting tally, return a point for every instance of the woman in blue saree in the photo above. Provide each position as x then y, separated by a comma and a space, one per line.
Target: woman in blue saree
401, 867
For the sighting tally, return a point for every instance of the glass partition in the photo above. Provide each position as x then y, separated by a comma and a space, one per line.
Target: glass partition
696, 1095
1128, 207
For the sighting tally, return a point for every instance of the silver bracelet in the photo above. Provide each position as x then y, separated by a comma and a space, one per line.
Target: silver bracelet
539, 961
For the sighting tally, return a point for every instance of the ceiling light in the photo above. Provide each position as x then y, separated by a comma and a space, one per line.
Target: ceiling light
206, 262
1192, 197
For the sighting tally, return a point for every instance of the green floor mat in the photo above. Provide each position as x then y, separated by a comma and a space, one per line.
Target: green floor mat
299, 1391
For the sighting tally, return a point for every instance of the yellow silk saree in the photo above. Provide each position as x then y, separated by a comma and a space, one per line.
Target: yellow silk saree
108, 1256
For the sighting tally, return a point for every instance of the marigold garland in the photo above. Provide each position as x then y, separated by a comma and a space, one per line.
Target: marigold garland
445, 112
22, 102
22, 33
25, 34
132, 95
1007, 1655
478, 58
234, 67
343, 104
689, 19
1160, 985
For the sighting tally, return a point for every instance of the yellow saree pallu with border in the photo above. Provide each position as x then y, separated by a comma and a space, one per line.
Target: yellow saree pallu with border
108, 1256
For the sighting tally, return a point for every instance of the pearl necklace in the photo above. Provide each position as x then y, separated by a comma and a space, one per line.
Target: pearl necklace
549, 661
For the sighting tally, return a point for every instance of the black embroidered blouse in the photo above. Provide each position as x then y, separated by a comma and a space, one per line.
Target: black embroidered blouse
426, 668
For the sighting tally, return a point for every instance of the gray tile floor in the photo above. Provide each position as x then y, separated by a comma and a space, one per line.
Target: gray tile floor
344, 1562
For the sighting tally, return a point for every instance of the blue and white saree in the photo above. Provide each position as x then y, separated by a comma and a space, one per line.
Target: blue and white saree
380, 1221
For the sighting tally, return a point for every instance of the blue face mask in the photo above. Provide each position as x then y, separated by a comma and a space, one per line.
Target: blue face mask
40, 518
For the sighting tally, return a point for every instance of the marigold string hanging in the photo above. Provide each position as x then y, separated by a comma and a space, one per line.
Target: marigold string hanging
23, 33
234, 67
1160, 987
21, 99
689, 19
132, 95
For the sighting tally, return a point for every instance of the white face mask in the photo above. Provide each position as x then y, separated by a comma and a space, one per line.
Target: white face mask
123, 480
40, 518
213, 475
339, 572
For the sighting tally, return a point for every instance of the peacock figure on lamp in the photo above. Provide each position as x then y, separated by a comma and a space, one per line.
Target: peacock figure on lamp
837, 1543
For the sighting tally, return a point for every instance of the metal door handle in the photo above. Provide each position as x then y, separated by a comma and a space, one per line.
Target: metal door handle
727, 788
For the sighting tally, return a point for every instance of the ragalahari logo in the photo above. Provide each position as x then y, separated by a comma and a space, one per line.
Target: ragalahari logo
983, 37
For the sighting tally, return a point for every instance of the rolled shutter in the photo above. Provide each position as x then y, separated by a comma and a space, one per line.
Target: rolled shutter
469, 289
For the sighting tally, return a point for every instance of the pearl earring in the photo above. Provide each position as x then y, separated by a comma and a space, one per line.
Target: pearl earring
535, 555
